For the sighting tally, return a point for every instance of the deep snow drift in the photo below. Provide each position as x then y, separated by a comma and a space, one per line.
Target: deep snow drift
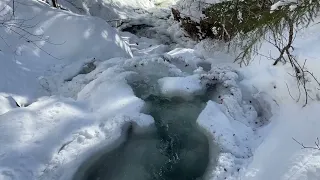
48, 38
70, 94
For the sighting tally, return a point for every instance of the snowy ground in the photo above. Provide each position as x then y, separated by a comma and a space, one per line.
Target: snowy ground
72, 86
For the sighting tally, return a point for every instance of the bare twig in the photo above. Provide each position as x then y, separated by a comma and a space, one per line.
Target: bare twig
23, 29
290, 41
290, 92
64, 145
75, 6
13, 7
316, 147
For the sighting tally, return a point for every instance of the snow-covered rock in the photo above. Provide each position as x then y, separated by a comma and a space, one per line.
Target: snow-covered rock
185, 87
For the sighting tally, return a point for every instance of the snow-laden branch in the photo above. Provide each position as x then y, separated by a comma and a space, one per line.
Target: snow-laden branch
291, 3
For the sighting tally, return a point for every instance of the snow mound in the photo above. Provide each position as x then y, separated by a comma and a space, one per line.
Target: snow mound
185, 87
149, 68
109, 94
52, 136
188, 60
228, 133
233, 137
230, 121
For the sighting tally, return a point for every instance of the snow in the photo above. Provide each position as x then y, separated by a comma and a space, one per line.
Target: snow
22, 63
278, 4
50, 135
215, 121
7, 103
110, 97
188, 58
83, 29
70, 98
288, 119
289, 160
230, 121
55, 133
185, 87
164, 3
108, 9
229, 134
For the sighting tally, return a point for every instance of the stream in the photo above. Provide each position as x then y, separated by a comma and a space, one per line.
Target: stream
176, 150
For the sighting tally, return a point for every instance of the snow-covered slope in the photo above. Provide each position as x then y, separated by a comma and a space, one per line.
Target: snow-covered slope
110, 10
51, 137
114, 9
46, 38
280, 156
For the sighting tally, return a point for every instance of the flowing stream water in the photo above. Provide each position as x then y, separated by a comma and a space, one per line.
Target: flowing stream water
176, 150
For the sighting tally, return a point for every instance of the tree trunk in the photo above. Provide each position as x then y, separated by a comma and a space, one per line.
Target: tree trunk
54, 3
13, 9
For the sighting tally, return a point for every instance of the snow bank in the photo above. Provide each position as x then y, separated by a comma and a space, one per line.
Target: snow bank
32, 136
70, 35
286, 159
228, 133
229, 121
52, 37
233, 137
50, 138
279, 156
109, 94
